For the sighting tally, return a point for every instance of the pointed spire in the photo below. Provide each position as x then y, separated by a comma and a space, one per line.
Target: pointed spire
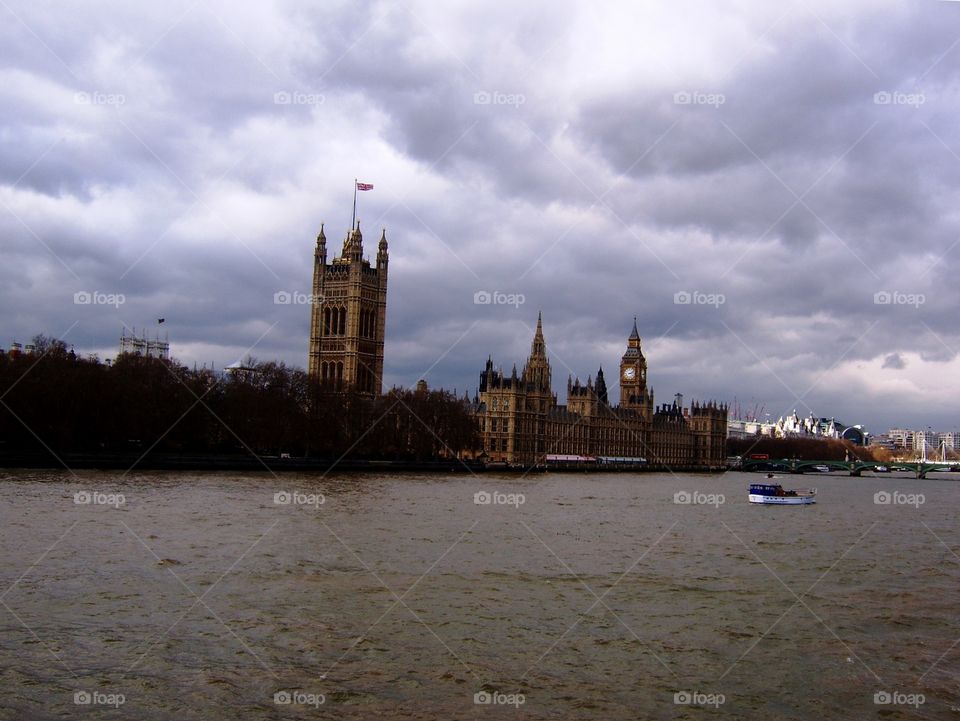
321, 238
601, 387
538, 341
382, 250
536, 372
382, 247
634, 335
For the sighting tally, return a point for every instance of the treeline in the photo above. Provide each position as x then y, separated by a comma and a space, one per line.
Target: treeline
53, 400
799, 447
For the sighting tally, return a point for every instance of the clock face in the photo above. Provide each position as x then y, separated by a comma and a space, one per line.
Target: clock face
629, 373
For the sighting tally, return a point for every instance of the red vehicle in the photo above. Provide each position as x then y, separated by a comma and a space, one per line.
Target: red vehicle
759, 456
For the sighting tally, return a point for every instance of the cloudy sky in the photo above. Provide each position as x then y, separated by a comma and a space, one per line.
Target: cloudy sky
770, 188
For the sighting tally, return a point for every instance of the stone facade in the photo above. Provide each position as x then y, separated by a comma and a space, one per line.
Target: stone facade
348, 315
521, 422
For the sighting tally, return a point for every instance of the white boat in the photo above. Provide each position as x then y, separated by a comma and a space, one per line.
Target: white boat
773, 494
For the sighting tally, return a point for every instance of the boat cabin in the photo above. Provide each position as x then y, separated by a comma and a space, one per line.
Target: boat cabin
769, 489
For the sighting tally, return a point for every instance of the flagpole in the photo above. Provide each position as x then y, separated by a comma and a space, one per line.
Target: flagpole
353, 223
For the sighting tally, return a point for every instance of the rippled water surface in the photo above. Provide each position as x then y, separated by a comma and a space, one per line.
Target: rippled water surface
598, 597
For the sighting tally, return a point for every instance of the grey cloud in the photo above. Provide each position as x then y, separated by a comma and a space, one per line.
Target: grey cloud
895, 361
501, 211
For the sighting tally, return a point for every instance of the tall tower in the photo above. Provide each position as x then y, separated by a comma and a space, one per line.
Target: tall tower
348, 315
536, 373
633, 375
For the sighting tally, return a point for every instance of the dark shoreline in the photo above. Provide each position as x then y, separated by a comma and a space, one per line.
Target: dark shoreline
227, 462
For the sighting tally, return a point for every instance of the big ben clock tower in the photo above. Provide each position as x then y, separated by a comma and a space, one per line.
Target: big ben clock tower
633, 374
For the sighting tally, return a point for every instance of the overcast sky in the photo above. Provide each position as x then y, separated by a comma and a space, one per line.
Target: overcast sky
790, 169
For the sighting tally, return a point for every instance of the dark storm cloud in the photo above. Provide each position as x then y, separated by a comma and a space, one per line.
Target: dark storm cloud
184, 156
894, 360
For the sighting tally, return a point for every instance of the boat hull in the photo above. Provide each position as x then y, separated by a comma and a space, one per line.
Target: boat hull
782, 500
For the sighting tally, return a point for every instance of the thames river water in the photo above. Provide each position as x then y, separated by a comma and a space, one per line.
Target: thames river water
556, 596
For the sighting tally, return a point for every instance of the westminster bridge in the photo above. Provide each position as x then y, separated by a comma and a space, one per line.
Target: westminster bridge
854, 467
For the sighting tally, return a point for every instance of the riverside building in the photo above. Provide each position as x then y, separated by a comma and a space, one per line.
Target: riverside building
521, 422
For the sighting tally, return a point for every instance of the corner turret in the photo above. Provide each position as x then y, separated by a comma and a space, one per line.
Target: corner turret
382, 255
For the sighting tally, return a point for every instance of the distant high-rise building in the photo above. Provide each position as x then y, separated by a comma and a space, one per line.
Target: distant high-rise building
348, 315
951, 440
901, 437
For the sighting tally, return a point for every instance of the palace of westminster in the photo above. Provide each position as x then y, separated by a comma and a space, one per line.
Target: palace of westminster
518, 416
